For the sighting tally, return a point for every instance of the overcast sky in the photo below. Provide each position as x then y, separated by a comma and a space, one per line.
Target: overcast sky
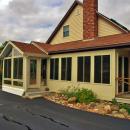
26, 20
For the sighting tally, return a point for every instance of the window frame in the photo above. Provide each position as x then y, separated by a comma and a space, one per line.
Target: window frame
102, 69
33, 83
7, 72
66, 31
53, 74
83, 66
66, 78
18, 70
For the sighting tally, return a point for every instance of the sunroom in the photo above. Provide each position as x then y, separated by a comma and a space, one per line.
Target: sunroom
24, 68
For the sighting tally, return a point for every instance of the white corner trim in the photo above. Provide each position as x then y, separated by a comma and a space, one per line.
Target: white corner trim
16, 91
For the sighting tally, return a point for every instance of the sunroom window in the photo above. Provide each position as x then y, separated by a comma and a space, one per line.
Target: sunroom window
66, 66
7, 68
18, 68
102, 69
54, 69
84, 69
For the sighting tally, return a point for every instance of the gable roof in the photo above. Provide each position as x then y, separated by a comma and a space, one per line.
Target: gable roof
27, 48
107, 42
76, 2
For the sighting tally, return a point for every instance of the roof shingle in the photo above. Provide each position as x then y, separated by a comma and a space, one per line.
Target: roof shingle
27, 48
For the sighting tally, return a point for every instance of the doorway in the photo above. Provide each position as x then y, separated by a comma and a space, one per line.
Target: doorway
44, 72
123, 74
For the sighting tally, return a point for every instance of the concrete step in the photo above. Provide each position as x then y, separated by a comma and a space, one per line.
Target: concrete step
123, 100
34, 93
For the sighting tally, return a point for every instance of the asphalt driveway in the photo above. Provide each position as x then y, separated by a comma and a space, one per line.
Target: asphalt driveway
21, 114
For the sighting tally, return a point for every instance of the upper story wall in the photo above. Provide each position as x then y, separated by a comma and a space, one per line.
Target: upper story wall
106, 28
75, 22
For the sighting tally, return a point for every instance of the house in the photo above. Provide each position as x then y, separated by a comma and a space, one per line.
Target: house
86, 50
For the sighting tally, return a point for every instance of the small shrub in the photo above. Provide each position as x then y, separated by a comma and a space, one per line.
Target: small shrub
86, 96
114, 102
125, 106
82, 95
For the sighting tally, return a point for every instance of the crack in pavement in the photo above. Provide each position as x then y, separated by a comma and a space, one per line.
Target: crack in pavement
45, 117
15, 122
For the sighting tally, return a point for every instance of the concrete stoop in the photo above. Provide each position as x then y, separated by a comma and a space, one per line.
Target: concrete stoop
123, 100
34, 93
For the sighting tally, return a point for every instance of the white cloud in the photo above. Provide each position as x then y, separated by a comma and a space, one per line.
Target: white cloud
4, 3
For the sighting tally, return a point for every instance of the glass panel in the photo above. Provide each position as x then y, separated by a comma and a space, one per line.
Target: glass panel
17, 83
87, 69
56, 69
18, 68
106, 69
9, 53
69, 65
66, 31
63, 68
120, 74
80, 69
7, 68
51, 68
33, 71
7, 82
126, 74
97, 69
16, 53
43, 69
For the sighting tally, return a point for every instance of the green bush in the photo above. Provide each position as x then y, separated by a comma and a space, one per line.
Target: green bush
82, 95
125, 106
114, 102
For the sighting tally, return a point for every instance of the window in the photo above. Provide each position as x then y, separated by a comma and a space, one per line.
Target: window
18, 68
84, 69
66, 64
54, 69
43, 69
102, 69
7, 68
33, 71
66, 31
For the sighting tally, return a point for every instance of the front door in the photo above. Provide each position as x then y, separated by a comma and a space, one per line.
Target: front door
33, 72
123, 67
43, 72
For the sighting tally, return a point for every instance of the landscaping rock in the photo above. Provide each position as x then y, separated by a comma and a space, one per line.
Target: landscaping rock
128, 117
115, 108
119, 115
72, 100
92, 105
114, 112
123, 111
107, 109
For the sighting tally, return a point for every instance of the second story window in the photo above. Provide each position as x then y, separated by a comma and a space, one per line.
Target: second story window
66, 31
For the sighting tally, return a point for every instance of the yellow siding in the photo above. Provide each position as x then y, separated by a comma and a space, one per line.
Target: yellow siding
75, 21
103, 91
105, 28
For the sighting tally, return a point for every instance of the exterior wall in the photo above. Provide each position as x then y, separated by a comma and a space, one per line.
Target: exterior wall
75, 21
105, 28
103, 91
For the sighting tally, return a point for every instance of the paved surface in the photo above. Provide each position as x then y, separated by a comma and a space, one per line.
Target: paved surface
21, 114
